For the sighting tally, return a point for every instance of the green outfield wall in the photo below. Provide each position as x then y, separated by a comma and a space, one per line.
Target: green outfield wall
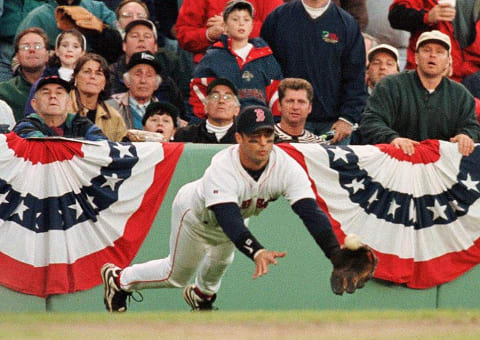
300, 281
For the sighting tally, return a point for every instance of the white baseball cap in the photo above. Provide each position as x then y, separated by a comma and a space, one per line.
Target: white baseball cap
382, 48
435, 36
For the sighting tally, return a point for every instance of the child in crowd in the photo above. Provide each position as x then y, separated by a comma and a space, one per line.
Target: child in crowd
69, 47
248, 64
159, 124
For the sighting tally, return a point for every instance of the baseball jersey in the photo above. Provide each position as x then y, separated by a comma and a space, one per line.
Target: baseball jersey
226, 181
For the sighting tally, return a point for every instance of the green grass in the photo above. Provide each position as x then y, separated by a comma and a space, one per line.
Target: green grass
295, 324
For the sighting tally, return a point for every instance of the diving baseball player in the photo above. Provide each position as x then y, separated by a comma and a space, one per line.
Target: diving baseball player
208, 223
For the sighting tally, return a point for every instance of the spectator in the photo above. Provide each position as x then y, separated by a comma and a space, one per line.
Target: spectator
357, 9
412, 106
163, 13
141, 35
52, 118
382, 61
248, 63
457, 22
142, 79
221, 106
69, 47
295, 104
332, 59
159, 124
105, 43
7, 121
12, 13
128, 11
91, 78
200, 23
32, 54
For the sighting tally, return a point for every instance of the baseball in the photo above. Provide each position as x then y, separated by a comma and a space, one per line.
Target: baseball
352, 242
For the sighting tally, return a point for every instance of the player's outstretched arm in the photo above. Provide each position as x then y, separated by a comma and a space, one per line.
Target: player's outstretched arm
230, 220
353, 264
263, 258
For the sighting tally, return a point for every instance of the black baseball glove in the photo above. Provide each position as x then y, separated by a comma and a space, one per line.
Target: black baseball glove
352, 268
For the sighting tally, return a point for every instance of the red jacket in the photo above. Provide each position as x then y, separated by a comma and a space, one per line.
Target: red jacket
411, 15
192, 18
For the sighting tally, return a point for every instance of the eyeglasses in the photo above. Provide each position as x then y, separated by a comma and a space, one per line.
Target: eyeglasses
26, 47
129, 15
216, 97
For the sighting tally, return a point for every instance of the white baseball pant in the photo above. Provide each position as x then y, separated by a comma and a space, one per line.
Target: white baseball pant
194, 248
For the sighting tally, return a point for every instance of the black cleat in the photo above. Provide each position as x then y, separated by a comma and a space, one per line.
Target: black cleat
196, 302
115, 298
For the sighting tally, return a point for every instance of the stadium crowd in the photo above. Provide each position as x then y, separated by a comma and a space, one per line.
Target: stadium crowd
350, 72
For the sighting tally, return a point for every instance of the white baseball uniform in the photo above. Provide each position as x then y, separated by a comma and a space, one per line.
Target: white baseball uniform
197, 243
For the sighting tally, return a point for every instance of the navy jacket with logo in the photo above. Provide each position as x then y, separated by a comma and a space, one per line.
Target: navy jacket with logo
327, 51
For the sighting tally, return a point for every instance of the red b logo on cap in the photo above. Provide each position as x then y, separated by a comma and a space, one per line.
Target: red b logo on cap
260, 115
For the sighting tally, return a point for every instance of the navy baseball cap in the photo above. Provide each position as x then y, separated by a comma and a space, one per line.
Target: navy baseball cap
224, 82
161, 108
254, 118
237, 4
143, 22
144, 57
52, 80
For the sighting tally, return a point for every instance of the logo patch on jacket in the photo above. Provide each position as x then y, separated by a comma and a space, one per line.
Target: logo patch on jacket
330, 37
247, 75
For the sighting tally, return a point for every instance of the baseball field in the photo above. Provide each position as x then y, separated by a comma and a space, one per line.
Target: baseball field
431, 324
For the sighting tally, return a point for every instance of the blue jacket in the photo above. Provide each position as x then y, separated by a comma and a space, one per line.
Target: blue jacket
256, 78
75, 126
327, 51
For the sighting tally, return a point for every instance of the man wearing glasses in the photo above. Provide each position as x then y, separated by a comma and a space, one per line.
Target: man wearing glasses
32, 55
128, 11
221, 107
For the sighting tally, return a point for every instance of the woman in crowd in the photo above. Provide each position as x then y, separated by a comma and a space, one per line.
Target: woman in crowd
91, 89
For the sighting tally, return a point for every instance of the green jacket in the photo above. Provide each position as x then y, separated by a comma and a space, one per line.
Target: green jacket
15, 92
44, 17
401, 107
13, 13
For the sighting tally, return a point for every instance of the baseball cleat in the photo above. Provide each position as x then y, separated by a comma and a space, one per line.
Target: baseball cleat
197, 302
115, 298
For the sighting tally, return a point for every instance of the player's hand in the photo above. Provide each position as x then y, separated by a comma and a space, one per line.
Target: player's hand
407, 145
441, 12
263, 259
465, 144
342, 130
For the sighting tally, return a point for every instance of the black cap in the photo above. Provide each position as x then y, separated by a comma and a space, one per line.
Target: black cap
222, 81
144, 57
254, 118
161, 108
52, 80
237, 4
143, 22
